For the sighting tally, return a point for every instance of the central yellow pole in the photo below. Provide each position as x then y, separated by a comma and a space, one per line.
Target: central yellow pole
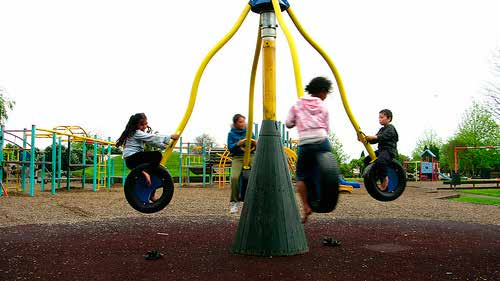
269, 79
269, 222
268, 23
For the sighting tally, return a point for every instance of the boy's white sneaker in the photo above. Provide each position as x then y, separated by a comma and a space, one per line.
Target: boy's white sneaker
234, 208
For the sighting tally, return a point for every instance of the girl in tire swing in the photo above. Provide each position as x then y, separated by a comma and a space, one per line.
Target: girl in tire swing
137, 133
310, 116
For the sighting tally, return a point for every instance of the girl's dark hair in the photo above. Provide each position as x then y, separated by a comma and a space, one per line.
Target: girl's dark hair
318, 85
236, 117
387, 113
131, 127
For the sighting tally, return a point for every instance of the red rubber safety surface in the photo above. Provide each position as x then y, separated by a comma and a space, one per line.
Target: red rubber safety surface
199, 249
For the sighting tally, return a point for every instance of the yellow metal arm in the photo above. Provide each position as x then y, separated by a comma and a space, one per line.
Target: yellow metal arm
196, 82
360, 134
246, 156
293, 49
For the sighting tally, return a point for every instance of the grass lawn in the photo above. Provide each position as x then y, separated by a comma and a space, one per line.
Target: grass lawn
354, 179
477, 200
118, 164
488, 192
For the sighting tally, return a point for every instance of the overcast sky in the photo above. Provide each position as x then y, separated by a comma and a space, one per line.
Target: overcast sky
94, 63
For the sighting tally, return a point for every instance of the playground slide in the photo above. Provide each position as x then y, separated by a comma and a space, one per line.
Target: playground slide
444, 177
353, 184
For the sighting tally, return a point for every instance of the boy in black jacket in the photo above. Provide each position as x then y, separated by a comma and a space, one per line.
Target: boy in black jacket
387, 138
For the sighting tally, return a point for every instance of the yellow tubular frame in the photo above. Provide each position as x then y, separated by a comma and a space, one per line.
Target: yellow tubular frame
196, 82
246, 156
269, 79
293, 49
340, 85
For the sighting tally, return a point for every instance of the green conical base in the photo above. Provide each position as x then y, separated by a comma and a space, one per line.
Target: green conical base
270, 222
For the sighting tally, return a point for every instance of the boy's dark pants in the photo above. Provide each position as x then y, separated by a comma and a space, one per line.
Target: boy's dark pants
384, 157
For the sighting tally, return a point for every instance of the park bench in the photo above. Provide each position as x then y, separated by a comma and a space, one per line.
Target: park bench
474, 182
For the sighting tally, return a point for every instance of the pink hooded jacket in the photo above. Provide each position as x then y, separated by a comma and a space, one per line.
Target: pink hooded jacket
310, 115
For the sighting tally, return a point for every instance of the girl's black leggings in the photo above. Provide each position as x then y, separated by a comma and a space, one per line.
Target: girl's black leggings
151, 157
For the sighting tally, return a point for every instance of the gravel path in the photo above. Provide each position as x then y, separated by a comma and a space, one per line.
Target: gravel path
420, 201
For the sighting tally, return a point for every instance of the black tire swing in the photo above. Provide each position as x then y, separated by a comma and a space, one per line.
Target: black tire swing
323, 186
245, 172
139, 194
397, 181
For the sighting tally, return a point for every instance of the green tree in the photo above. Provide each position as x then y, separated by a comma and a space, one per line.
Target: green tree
348, 169
447, 160
95, 134
492, 88
477, 128
210, 141
196, 147
6, 104
76, 155
64, 156
337, 148
114, 150
338, 152
402, 158
429, 140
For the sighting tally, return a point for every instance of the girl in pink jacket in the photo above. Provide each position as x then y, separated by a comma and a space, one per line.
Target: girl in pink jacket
310, 116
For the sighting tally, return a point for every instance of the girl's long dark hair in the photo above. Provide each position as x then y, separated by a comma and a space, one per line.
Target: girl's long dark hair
131, 127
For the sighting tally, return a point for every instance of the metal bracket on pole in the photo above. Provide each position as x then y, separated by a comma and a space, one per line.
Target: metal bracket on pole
261, 6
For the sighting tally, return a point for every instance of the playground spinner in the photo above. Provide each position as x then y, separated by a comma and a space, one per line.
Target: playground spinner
269, 223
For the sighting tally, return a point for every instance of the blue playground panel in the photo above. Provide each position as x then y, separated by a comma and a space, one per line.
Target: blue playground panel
393, 180
143, 191
257, 2
353, 184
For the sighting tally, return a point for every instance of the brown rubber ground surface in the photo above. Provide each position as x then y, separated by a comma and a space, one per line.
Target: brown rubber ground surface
85, 235
200, 250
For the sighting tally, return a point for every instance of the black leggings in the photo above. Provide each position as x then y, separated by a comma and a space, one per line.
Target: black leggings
151, 157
